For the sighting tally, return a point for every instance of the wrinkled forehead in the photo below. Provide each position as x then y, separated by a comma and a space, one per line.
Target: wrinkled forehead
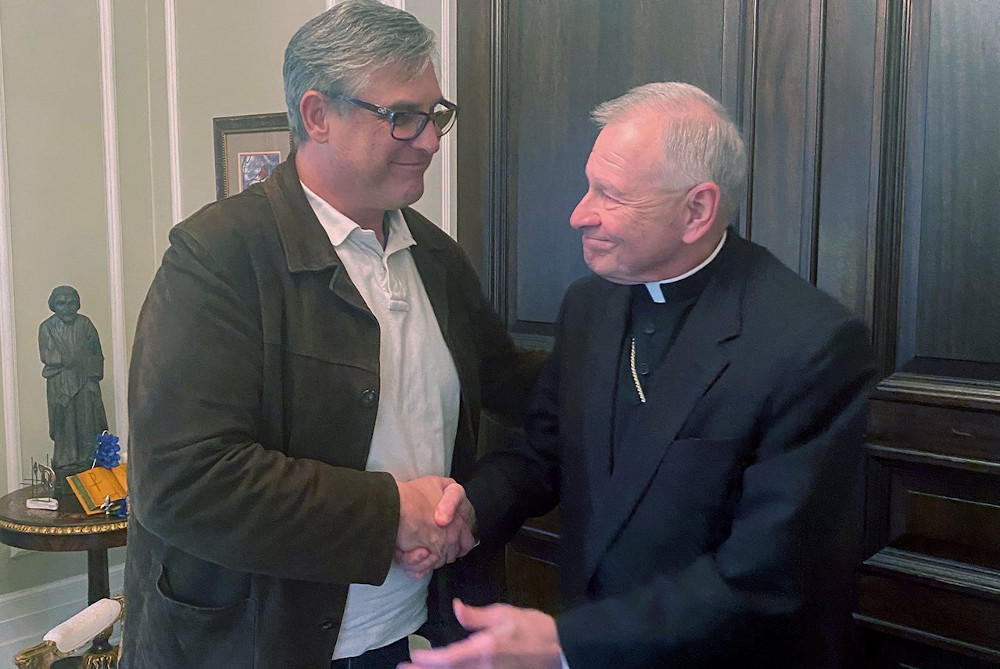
627, 150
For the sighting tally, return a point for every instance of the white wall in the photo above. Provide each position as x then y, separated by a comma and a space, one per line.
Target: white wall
106, 111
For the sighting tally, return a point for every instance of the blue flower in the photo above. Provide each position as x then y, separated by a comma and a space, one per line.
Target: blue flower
107, 453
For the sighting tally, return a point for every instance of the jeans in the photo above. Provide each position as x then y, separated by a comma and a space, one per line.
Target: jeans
386, 657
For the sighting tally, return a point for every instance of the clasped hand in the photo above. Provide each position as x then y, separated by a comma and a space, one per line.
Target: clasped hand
436, 524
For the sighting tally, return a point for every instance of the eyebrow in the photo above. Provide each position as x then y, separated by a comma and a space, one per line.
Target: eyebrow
605, 188
413, 106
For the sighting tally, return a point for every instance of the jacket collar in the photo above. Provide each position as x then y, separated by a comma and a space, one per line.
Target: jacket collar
306, 244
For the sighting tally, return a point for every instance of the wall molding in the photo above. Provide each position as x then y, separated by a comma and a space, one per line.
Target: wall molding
112, 184
173, 112
501, 200
8, 343
26, 615
449, 145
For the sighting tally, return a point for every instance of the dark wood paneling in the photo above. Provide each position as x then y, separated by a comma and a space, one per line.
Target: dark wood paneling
967, 438
937, 289
474, 37
933, 512
892, 647
786, 131
845, 242
956, 226
919, 608
933, 516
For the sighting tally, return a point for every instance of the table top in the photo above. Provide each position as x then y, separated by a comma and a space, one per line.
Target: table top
67, 529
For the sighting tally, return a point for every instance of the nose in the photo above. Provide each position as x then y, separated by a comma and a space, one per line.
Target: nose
584, 214
428, 140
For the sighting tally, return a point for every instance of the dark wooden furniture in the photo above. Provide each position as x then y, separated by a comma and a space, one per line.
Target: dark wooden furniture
67, 529
873, 173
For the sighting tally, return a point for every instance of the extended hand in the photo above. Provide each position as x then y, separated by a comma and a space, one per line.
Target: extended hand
435, 524
505, 637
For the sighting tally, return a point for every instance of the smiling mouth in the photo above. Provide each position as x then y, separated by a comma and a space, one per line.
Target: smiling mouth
413, 166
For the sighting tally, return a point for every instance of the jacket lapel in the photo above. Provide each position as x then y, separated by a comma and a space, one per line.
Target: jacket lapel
694, 362
599, 373
432, 271
306, 245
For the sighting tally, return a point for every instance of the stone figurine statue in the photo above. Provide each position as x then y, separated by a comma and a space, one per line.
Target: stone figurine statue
73, 365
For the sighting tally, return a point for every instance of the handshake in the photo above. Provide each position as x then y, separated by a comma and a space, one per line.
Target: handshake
436, 524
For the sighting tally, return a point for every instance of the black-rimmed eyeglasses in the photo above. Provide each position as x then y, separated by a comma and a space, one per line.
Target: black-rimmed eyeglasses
407, 125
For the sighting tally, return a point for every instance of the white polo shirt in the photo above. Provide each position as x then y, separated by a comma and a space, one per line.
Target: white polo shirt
418, 403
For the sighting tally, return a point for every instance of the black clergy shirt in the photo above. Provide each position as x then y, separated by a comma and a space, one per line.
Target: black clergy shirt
654, 327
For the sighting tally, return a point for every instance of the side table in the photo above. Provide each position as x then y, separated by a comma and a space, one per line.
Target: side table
67, 529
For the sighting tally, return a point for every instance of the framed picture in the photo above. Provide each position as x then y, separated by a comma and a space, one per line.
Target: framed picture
247, 149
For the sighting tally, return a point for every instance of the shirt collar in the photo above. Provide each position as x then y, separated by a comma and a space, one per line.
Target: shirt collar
339, 227
656, 292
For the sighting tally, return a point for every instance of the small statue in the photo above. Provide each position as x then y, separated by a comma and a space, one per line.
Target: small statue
73, 366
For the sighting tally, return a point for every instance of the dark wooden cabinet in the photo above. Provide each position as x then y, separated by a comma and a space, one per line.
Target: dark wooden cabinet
875, 162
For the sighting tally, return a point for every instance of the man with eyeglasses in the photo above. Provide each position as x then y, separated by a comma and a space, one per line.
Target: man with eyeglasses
306, 381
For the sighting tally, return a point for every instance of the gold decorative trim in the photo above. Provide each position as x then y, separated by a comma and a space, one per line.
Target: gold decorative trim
55, 530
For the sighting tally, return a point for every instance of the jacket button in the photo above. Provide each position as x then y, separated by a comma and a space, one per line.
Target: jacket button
327, 624
368, 398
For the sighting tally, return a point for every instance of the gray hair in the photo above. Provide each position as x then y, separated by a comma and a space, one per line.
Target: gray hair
336, 52
697, 147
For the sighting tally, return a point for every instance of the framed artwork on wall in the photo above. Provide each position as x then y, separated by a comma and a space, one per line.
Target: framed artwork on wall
247, 149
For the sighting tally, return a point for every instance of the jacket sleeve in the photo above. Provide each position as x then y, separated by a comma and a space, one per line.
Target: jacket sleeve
199, 477
521, 480
793, 539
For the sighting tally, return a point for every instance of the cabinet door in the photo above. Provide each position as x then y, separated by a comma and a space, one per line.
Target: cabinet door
933, 517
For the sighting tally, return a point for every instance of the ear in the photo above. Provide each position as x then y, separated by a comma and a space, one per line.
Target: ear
316, 115
702, 210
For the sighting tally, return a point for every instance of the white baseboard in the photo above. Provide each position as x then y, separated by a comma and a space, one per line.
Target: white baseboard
26, 615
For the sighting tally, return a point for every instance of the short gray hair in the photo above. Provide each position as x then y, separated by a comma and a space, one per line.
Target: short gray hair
336, 52
696, 147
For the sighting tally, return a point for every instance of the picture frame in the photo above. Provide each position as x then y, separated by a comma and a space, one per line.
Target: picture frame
247, 149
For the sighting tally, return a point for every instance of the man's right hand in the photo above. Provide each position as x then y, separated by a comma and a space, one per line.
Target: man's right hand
436, 524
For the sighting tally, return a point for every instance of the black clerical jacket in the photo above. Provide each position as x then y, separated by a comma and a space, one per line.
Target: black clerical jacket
727, 533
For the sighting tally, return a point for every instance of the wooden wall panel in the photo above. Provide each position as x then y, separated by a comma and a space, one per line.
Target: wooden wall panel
847, 178
933, 578
957, 225
786, 132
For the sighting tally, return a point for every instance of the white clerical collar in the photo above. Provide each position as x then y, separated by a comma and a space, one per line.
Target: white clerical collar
656, 292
